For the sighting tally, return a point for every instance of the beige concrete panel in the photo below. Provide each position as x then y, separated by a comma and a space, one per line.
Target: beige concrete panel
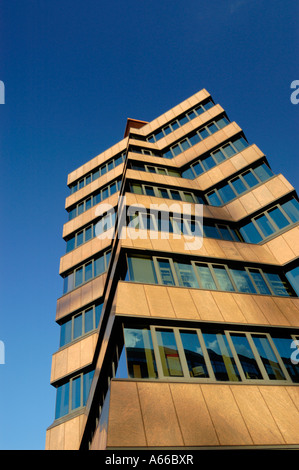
59, 364
278, 186
263, 195
159, 415
85, 251
228, 307
73, 433
289, 310
284, 412
249, 252
193, 415
158, 301
259, 421
213, 248
292, 239
249, 202
225, 414
130, 299
182, 303
236, 209
55, 438
293, 393
125, 425
250, 309
207, 308
271, 311
280, 249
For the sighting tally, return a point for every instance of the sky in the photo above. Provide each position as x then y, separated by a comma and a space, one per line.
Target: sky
73, 72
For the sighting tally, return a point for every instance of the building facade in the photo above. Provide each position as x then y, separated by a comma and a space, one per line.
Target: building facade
179, 318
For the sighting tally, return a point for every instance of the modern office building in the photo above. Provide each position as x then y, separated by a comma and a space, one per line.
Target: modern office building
179, 316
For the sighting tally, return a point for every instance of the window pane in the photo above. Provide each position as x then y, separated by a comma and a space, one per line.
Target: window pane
278, 285
205, 276
105, 193
204, 133
246, 356
88, 204
62, 400
175, 195
68, 283
98, 312
278, 217
176, 150
197, 168
293, 278
79, 238
167, 130
185, 144
292, 209
223, 278
219, 156
170, 172
163, 193
285, 349
194, 139
76, 393
240, 144
168, 154
99, 266
242, 281
263, 172
161, 171
169, 355
78, 277
268, 357
226, 193
259, 282
208, 162
136, 188
66, 333
141, 270
149, 191
265, 225
212, 128
250, 233
194, 355
211, 231
140, 355
77, 326
88, 320
80, 208
214, 199
183, 120
87, 379
88, 233
70, 244
95, 174
113, 188
221, 357
250, 179
238, 185
228, 150
88, 271
225, 233
166, 272
186, 275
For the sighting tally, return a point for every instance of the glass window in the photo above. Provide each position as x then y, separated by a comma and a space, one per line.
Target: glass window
140, 355
250, 233
70, 244
95, 174
222, 360
292, 209
204, 133
238, 185
80, 238
212, 128
99, 266
175, 195
219, 156
242, 281
191, 115
263, 172
228, 150
193, 353
199, 110
186, 275
285, 347
183, 120
98, 313
250, 179
265, 225
113, 188
78, 276
88, 233
188, 197
166, 272
213, 199
293, 277
171, 364
208, 162
168, 154
167, 130
68, 283
194, 139
163, 193
226, 193
197, 168
141, 270
223, 278
211, 231
76, 393
77, 326
66, 333
87, 379
80, 208
88, 271
259, 282
246, 356
176, 150
278, 285
88, 203
278, 217
222, 122
105, 193
240, 144
268, 357
175, 125
225, 232
62, 400
88, 320
205, 276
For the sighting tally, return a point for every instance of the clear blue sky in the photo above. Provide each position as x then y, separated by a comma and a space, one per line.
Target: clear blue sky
74, 71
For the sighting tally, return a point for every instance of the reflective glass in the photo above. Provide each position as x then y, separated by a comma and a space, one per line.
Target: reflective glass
141, 270
212, 128
88, 204
259, 282
140, 354
88, 320
238, 185
166, 272
242, 281
289, 353
65, 333
194, 139
205, 276
225, 232
240, 144
197, 168
175, 195
76, 393
265, 225
62, 400
176, 150
80, 238
186, 275
250, 233
98, 312
278, 217
70, 244
226, 193
78, 276
293, 278
194, 355
204, 133
211, 231
214, 199
88, 233
87, 379
222, 122
250, 179
219, 156
263, 172
163, 193
88, 271
228, 150
221, 357
292, 209
169, 355
246, 356
223, 278
268, 357
77, 326
208, 162
99, 266
278, 285
183, 120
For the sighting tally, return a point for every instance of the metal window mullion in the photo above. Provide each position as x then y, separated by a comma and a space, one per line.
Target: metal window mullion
156, 352
229, 182
278, 357
254, 222
244, 181
175, 277
251, 279
284, 213
257, 356
272, 221
210, 266
266, 281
